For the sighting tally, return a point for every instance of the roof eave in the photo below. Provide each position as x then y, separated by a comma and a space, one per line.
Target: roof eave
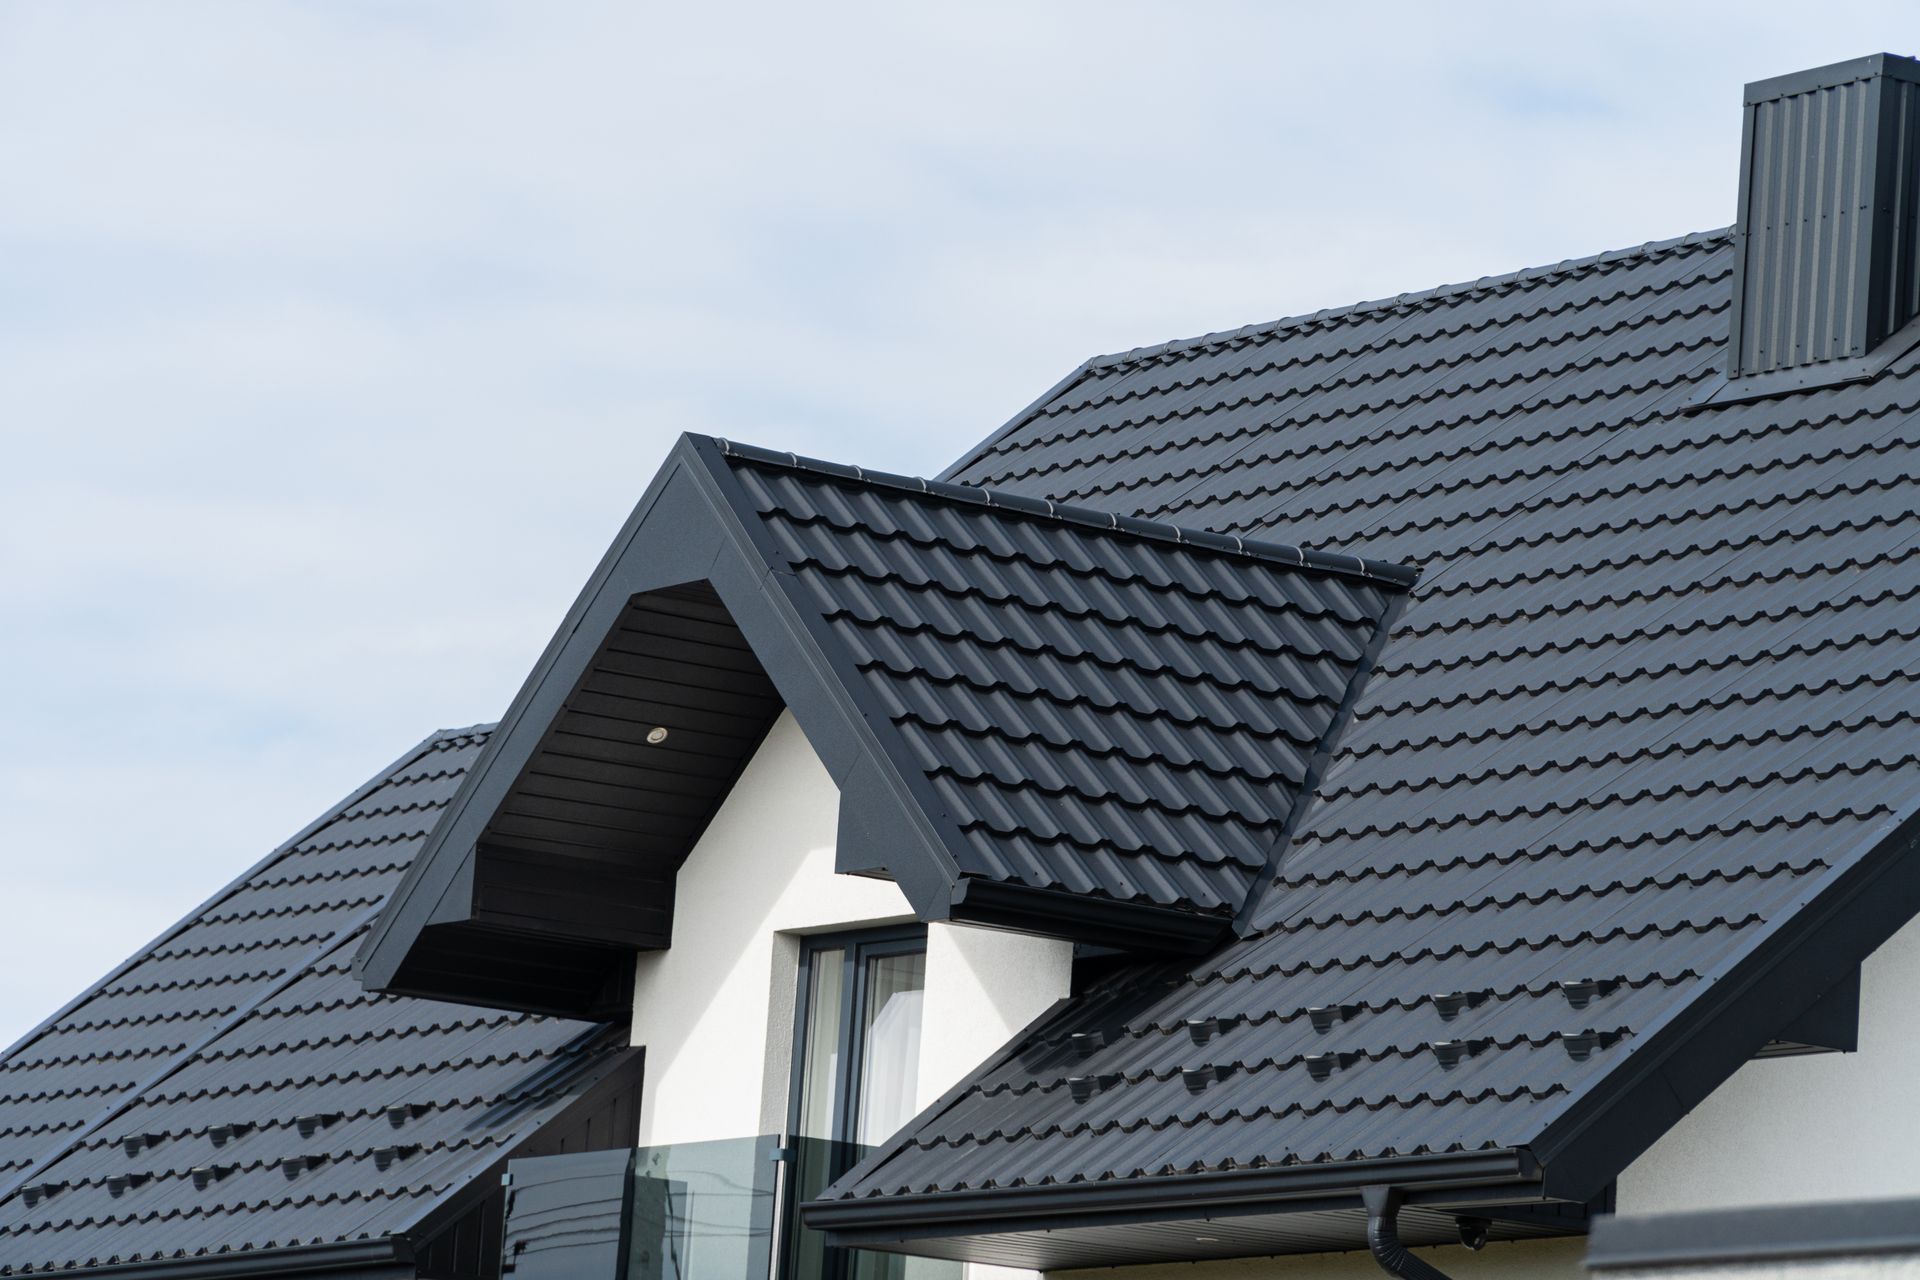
380, 1258
1505, 1176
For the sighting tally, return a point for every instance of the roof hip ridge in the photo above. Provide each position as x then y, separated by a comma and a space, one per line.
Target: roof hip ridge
1338, 563
1525, 275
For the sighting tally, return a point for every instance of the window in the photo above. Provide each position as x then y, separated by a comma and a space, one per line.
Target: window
856, 1072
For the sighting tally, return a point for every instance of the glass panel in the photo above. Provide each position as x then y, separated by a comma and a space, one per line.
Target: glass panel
820, 1061
703, 1211
890, 1045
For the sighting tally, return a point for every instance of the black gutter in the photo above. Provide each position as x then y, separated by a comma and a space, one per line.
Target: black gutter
1481, 1177
1846, 1229
350, 1260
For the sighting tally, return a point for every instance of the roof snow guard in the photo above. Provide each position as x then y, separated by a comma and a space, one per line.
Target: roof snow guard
1040, 717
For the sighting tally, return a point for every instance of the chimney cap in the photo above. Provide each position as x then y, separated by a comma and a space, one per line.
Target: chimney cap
1833, 75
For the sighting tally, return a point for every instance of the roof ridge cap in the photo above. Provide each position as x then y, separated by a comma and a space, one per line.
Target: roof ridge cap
1338, 563
1267, 328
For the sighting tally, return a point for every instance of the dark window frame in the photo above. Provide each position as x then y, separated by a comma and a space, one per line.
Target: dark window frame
856, 946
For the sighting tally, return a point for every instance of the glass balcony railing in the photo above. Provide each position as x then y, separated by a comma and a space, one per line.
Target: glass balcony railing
723, 1210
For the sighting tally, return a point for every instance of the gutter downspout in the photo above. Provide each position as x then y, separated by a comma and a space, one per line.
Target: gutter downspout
1383, 1237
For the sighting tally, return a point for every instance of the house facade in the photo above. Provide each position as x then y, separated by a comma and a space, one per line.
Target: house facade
1427, 787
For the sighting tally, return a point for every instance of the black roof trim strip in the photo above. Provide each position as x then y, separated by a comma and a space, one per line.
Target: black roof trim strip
1180, 1196
1292, 557
357, 1259
1842, 1229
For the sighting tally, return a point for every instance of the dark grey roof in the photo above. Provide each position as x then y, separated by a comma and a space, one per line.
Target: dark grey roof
1038, 716
1620, 797
232, 1089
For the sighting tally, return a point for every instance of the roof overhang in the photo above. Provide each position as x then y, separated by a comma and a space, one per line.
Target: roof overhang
1254, 1212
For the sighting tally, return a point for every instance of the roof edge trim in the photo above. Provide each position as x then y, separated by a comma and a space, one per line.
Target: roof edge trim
311, 1260
1170, 1196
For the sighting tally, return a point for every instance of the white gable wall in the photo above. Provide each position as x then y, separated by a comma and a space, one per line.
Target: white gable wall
715, 1011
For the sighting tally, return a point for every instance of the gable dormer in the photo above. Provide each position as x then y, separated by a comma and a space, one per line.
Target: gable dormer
1040, 718
1825, 287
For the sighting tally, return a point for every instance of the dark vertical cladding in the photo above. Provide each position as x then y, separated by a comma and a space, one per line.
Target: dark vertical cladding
1827, 233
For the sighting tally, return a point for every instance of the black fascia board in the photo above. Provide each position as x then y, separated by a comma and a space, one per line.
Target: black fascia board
381, 1258
1497, 1177
1133, 927
1773, 1233
1808, 949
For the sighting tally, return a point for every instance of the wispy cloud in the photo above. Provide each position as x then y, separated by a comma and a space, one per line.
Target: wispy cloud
336, 338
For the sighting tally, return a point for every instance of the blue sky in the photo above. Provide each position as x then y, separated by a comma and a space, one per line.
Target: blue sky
336, 339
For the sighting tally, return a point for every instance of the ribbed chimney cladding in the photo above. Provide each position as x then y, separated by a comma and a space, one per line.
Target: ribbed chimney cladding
1827, 237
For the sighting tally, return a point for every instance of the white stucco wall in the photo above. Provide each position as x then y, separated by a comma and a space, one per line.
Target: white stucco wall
715, 1010
717, 1040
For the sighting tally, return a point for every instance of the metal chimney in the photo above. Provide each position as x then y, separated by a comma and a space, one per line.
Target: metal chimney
1826, 242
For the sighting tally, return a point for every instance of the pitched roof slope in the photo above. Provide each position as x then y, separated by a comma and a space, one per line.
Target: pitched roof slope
231, 1088
1102, 707
1654, 689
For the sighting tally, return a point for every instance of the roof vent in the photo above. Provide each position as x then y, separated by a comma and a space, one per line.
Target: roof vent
1825, 246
